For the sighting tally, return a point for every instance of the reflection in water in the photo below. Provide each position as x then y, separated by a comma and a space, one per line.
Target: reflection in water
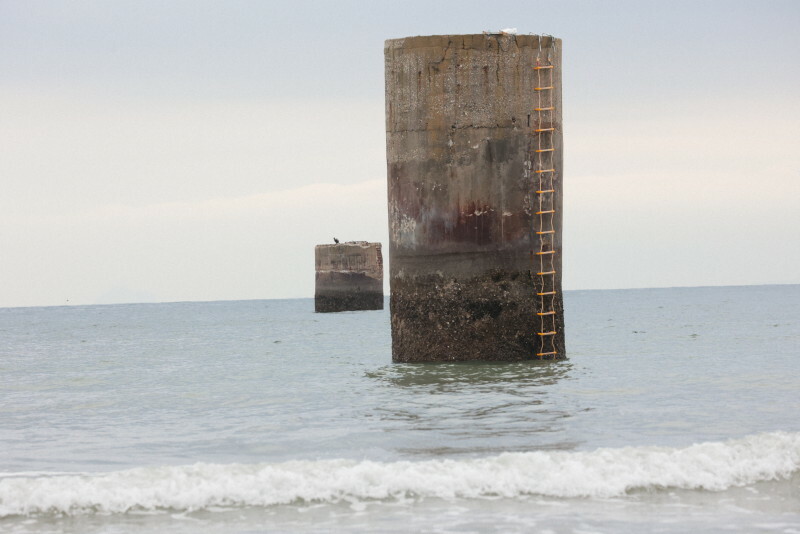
474, 407
515, 374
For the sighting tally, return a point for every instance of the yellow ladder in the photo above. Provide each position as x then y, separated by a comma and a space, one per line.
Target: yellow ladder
543, 147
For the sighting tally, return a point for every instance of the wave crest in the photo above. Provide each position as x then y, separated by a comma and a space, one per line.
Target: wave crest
600, 473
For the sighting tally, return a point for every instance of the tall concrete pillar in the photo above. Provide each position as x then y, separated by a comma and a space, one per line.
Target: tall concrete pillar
474, 153
349, 277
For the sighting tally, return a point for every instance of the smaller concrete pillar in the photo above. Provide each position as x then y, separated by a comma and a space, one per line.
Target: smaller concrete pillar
349, 277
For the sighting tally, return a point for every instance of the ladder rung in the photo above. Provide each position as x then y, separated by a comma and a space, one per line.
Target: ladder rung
546, 353
549, 108
546, 232
543, 88
546, 211
545, 150
546, 191
544, 130
543, 273
546, 292
540, 67
546, 333
545, 252
540, 171
546, 313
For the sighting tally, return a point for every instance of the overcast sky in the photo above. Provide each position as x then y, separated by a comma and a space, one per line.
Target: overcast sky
196, 150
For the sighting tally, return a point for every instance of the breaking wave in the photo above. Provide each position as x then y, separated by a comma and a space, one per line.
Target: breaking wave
601, 473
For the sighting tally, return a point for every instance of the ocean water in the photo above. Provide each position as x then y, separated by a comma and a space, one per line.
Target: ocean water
678, 410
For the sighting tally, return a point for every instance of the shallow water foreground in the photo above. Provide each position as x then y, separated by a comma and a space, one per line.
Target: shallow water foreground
676, 411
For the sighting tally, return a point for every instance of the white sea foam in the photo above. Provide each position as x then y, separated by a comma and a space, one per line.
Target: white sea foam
600, 473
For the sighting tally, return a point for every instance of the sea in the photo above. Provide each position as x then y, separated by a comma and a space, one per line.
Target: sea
678, 410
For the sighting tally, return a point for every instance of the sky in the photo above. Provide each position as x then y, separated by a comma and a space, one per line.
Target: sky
156, 151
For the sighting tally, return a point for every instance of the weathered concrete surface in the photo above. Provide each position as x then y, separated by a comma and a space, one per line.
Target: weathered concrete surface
349, 276
460, 135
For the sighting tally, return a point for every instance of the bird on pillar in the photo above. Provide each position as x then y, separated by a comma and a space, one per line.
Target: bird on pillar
335, 240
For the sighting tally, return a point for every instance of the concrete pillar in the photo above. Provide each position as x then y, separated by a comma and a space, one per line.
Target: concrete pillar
349, 277
466, 134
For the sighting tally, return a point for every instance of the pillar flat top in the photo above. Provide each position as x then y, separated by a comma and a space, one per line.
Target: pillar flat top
474, 40
363, 244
